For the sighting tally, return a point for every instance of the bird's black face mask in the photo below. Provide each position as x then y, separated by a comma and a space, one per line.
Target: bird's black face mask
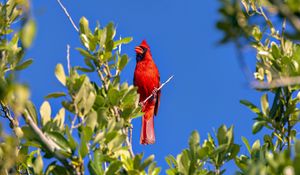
139, 57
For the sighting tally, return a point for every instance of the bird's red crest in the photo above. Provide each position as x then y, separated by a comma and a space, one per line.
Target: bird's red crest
144, 44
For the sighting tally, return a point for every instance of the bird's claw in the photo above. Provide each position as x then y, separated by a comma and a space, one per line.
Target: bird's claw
154, 92
141, 104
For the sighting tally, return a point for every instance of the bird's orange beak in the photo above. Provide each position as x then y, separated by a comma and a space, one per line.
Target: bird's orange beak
139, 50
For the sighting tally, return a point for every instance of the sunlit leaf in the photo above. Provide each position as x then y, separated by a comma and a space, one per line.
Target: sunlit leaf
60, 74
45, 111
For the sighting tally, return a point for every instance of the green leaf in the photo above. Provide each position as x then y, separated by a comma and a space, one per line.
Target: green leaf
277, 104
110, 32
28, 33
256, 33
45, 111
183, 162
60, 74
90, 101
84, 26
38, 164
265, 104
85, 53
147, 162
123, 61
245, 141
86, 135
235, 149
54, 169
275, 50
85, 41
222, 134
114, 167
83, 69
24, 65
59, 139
31, 111
257, 126
122, 41
137, 160
59, 119
91, 120
113, 96
28, 133
72, 142
93, 169
55, 95
153, 170
116, 142
256, 145
194, 141
251, 106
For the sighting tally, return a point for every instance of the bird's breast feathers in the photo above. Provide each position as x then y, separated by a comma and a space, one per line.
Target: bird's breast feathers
145, 78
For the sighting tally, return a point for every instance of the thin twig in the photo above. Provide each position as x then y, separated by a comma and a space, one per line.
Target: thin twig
7, 114
68, 58
68, 15
280, 82
102, 79
80, 123
156, 90
130, 133
128, 143
73, 123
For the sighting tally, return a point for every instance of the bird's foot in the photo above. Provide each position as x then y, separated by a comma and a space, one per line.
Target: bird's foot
154, 92
141, 104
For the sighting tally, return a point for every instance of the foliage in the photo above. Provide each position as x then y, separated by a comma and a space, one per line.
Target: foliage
96, 139
271, 29
97, 131
194, 160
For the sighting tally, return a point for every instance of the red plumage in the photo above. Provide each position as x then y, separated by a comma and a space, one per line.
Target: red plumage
147, 79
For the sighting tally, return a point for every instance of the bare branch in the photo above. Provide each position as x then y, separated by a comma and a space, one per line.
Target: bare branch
13, 123
280, 82
130, 134
128, 143
68, 58
68, 15
49, 144
73, 123
156, 90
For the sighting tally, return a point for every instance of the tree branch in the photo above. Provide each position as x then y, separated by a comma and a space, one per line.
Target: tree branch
280, 82
13, 123
154, 92
68, 59
68, 15
49, 144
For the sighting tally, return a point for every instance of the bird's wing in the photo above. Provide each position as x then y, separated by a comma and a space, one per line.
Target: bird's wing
157, 102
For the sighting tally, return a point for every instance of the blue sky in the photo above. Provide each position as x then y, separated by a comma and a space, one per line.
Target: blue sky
207, 83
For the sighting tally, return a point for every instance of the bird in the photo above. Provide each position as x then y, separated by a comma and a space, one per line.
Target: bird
147, 80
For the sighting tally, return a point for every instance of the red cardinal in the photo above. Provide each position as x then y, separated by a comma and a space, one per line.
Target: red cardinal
147, 79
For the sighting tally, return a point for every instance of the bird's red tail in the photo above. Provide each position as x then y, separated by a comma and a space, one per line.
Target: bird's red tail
147, 134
